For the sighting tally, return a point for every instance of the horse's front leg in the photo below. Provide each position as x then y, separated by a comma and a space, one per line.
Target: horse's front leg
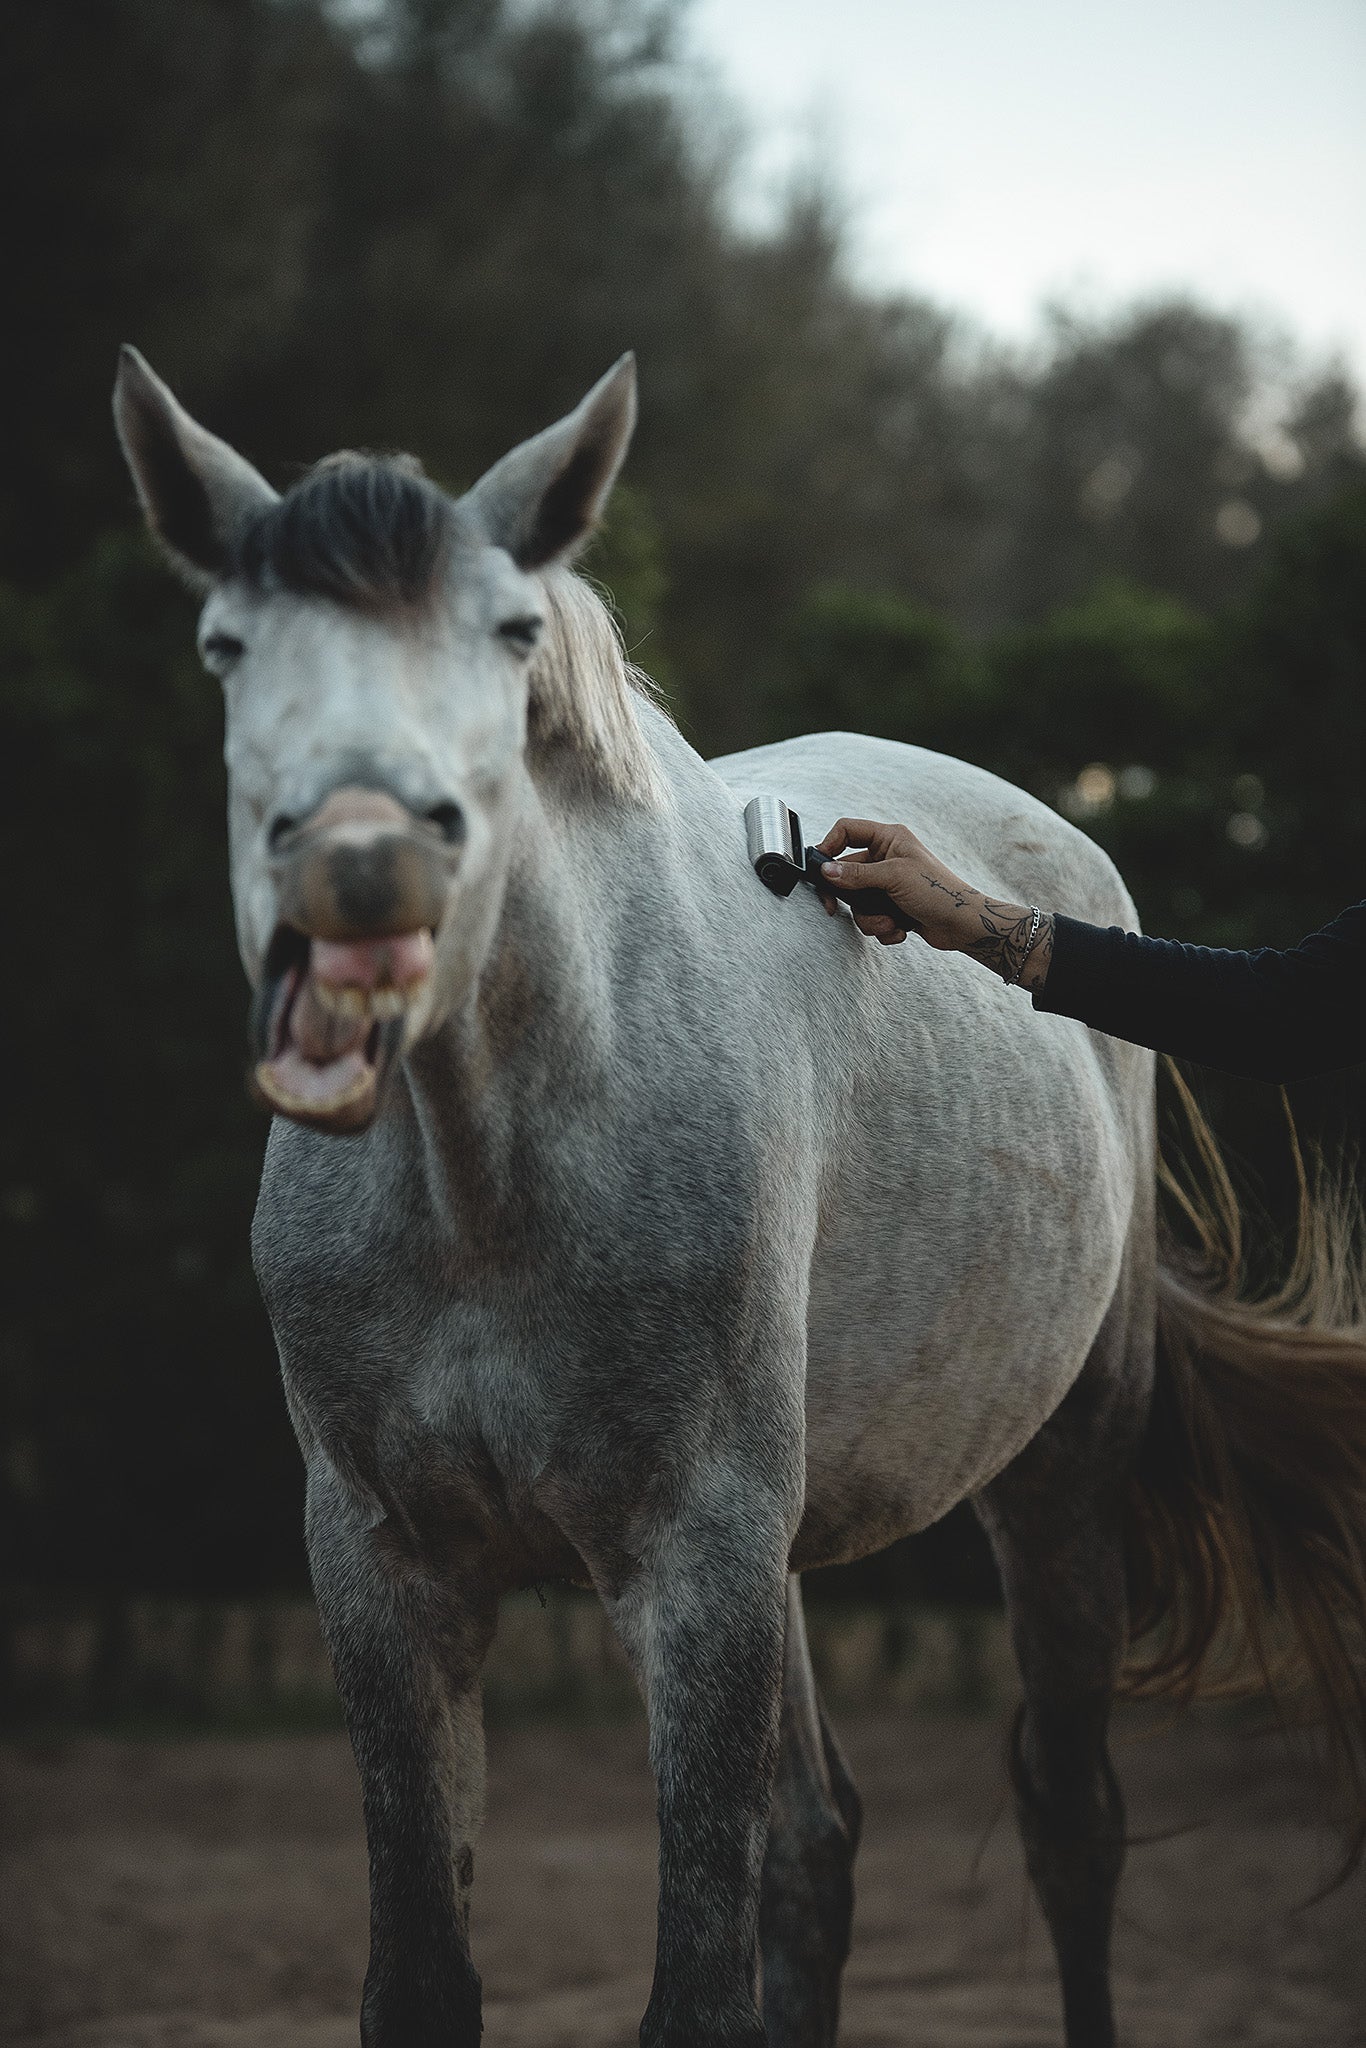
407, 1654
703, 1624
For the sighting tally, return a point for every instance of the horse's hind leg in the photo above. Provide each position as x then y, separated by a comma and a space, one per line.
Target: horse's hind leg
1054, 1521
807, 1896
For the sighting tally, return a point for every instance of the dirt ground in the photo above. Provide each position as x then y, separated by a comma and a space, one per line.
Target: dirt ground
211, 1894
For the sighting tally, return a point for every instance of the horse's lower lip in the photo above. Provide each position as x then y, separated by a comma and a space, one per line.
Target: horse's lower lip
328, 1022
341, 1096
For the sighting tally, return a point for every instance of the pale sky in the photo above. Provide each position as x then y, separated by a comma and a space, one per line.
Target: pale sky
1001, 152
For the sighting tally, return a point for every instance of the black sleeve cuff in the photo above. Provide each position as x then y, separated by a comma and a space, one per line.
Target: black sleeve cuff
1085, 960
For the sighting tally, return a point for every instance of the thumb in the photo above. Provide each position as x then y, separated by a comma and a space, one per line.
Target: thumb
857, 874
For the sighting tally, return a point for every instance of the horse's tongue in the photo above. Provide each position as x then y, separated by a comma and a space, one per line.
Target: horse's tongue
323, 1064
322, 1035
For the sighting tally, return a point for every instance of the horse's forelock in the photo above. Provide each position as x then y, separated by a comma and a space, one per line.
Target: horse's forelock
368, 532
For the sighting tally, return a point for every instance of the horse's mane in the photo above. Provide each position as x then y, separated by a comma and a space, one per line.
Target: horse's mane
585, 691
373, 534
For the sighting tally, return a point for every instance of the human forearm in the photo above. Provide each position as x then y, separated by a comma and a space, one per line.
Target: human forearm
1014, 940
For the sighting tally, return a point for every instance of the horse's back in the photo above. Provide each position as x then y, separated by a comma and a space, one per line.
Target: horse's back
1000, 837
988, 1168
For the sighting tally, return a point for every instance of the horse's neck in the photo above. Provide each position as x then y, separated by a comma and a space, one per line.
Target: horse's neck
494, 1090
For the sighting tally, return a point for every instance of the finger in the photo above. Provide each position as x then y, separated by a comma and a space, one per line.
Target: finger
849, 832
895, 937
857, 874
837, 838
875, 924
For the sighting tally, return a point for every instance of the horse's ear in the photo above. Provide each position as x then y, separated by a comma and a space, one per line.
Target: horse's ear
546, 496
196, 492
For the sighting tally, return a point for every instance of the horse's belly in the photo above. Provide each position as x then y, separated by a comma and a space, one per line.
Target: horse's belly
954, 1298
900, 1429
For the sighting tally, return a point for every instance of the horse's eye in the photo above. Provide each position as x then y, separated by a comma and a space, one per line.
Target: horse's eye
521, 633
221, 650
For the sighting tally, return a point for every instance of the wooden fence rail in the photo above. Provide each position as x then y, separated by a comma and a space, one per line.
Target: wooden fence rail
100, 1662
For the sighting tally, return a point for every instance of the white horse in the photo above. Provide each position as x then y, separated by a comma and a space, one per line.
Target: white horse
623, 1223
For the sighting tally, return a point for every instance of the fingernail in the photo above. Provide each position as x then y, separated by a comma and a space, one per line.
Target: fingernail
831, 867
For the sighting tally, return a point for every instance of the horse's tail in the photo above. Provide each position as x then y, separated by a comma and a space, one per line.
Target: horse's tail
1247, 1523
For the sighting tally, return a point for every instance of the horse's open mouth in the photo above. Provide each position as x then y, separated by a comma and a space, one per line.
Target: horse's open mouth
329, 1020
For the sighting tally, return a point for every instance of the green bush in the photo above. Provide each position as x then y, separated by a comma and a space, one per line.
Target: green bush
859, 662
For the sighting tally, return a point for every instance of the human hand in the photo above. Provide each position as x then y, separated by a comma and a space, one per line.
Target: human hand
936, 905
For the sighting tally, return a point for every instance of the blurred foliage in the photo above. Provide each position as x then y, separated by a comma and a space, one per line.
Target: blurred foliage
434, 228
1121, 674
624, 563
1129, 573
140, 1402
857, 662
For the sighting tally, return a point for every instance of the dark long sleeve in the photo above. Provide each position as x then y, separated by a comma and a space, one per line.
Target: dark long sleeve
1276, 1015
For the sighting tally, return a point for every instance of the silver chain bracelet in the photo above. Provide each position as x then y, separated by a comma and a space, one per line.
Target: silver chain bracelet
1035, 920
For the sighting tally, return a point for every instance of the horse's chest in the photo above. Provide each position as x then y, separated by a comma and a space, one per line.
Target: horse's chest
460, 1423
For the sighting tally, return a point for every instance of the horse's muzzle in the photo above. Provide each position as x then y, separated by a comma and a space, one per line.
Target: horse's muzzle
361, 887
362, 867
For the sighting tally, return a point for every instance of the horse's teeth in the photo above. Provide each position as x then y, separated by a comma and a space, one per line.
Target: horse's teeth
343, 999
346, 999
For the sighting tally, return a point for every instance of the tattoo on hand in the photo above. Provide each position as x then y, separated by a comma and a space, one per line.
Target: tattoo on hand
958, 897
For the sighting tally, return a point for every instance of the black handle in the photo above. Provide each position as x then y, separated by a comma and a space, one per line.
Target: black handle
872, 902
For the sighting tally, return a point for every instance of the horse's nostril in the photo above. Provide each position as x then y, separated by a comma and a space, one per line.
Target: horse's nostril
280, 828
449, 821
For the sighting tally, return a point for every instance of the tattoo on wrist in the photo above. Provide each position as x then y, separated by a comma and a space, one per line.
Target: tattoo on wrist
1005, 943
1041, 959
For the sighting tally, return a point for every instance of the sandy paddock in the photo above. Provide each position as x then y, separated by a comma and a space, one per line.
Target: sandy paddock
211, 1894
